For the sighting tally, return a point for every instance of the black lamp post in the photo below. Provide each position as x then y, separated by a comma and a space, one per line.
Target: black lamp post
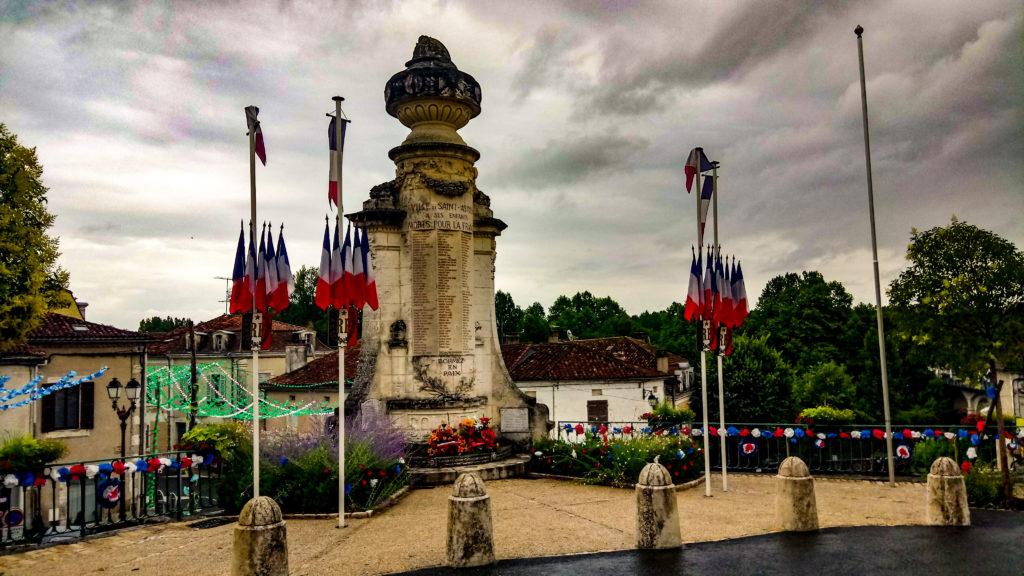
652, 399
114, 392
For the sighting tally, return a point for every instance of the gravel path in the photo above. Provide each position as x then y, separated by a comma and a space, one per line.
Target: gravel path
531, 518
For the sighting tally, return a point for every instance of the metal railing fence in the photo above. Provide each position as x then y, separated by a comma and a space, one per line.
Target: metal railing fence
91, 496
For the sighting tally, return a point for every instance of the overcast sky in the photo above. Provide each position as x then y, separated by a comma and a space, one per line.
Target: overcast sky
589, 111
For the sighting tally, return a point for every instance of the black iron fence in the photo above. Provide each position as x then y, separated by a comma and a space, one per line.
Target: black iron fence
72, 499
851, 449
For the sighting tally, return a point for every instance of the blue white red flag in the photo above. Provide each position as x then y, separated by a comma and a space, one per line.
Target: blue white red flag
271, 266
706, 313
332, 187
706, 192
358, 294
716, 289
727, 303
371, 281
285, 280
348, 278
337, 273
695, 163
323, 281
739, 296
692, 307
251, 112
251, 269
238, 293
260, 287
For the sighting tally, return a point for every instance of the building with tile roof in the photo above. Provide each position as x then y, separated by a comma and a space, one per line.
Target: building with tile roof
315, 382
597, 380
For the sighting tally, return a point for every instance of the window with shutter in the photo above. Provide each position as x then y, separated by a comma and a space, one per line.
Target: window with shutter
597, 410
86, 419
48, 408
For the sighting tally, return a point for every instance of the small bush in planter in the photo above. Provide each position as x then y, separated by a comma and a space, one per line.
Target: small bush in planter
615, 460
27, 454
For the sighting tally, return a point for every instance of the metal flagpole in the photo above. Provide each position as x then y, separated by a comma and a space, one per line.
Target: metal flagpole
874, 254
342, 323
721, 393
256, 320
703, 345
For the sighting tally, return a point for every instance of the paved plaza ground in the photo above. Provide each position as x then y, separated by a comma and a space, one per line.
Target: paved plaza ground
532, 518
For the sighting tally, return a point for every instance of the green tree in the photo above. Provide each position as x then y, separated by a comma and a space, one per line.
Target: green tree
961, 300
508, 316
535, 324
757, 383
668, 330
30, 280
590, 317
158, 324
804, 317
826, 384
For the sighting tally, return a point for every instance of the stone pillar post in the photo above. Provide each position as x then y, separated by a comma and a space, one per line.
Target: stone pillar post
470, 535
947, 495
796, 508
657, 518
261, 541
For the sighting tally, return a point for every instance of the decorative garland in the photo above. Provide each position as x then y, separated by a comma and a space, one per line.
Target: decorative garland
34, 393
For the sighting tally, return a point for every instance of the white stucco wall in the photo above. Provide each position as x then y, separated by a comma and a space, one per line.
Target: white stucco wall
567, 401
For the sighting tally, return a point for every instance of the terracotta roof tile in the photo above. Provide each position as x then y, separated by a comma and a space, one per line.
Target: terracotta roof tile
633, 351
569, 361
323, 369
21, 352
59, 329
173, 342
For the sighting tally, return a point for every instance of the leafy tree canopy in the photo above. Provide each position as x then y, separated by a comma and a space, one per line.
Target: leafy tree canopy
590, 317
303, 311
31, 283
961, 300
535, 324
158, 324
804, 317
826, 384
758, 384
508, 316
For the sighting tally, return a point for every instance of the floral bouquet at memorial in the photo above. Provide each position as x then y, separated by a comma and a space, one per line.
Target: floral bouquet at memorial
469, 437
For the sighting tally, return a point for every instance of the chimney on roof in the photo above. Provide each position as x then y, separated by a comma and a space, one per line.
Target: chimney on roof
81, 308
661, 361
295, 357
553, 334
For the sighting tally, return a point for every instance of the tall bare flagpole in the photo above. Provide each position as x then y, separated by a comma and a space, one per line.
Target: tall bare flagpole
256, 318
721, 392
874, 254
339, 131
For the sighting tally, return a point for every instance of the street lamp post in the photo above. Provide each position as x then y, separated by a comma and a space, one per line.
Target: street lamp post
123, 414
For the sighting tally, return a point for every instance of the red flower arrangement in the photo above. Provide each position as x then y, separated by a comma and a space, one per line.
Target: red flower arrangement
470, 436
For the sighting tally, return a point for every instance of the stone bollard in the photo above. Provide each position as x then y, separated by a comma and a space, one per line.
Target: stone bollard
796, 509
657, 518
470, 535
947, 495
261, 541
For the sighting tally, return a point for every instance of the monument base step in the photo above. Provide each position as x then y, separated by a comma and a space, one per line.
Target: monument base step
514, 467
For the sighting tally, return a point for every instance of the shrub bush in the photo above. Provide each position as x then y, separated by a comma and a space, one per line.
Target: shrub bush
928, 451
617, 461
27, 454
300, 471
984, 486
826, 415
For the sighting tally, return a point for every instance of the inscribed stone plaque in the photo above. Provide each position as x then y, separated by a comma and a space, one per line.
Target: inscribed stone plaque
515, 419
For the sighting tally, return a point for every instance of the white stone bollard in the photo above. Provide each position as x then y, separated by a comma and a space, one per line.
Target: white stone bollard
947, 495
470, 533
261, 541
657, 518
796, 508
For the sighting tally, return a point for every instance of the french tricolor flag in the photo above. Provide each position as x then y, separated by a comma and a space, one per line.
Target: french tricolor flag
347, 276
323, 281
271, 267
706, 192
693, 299
238, 293
371, 282
357, 293
251, 112
739, 296
286, 282
251, 268
696, 163
332, 138
709, 298
260, 288
337, 273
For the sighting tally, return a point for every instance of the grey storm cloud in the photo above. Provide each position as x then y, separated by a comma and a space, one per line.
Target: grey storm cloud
589, 112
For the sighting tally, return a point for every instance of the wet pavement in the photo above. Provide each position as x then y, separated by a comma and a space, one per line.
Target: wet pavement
994, 544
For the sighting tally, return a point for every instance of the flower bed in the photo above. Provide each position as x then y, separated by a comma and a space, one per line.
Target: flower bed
469, 437
617, 459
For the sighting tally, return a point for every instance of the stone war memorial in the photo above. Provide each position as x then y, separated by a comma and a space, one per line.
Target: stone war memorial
431, 353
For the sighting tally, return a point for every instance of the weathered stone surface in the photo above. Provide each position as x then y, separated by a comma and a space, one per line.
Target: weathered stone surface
470, 531
796, 508
947, 495
657, 518
260, 545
